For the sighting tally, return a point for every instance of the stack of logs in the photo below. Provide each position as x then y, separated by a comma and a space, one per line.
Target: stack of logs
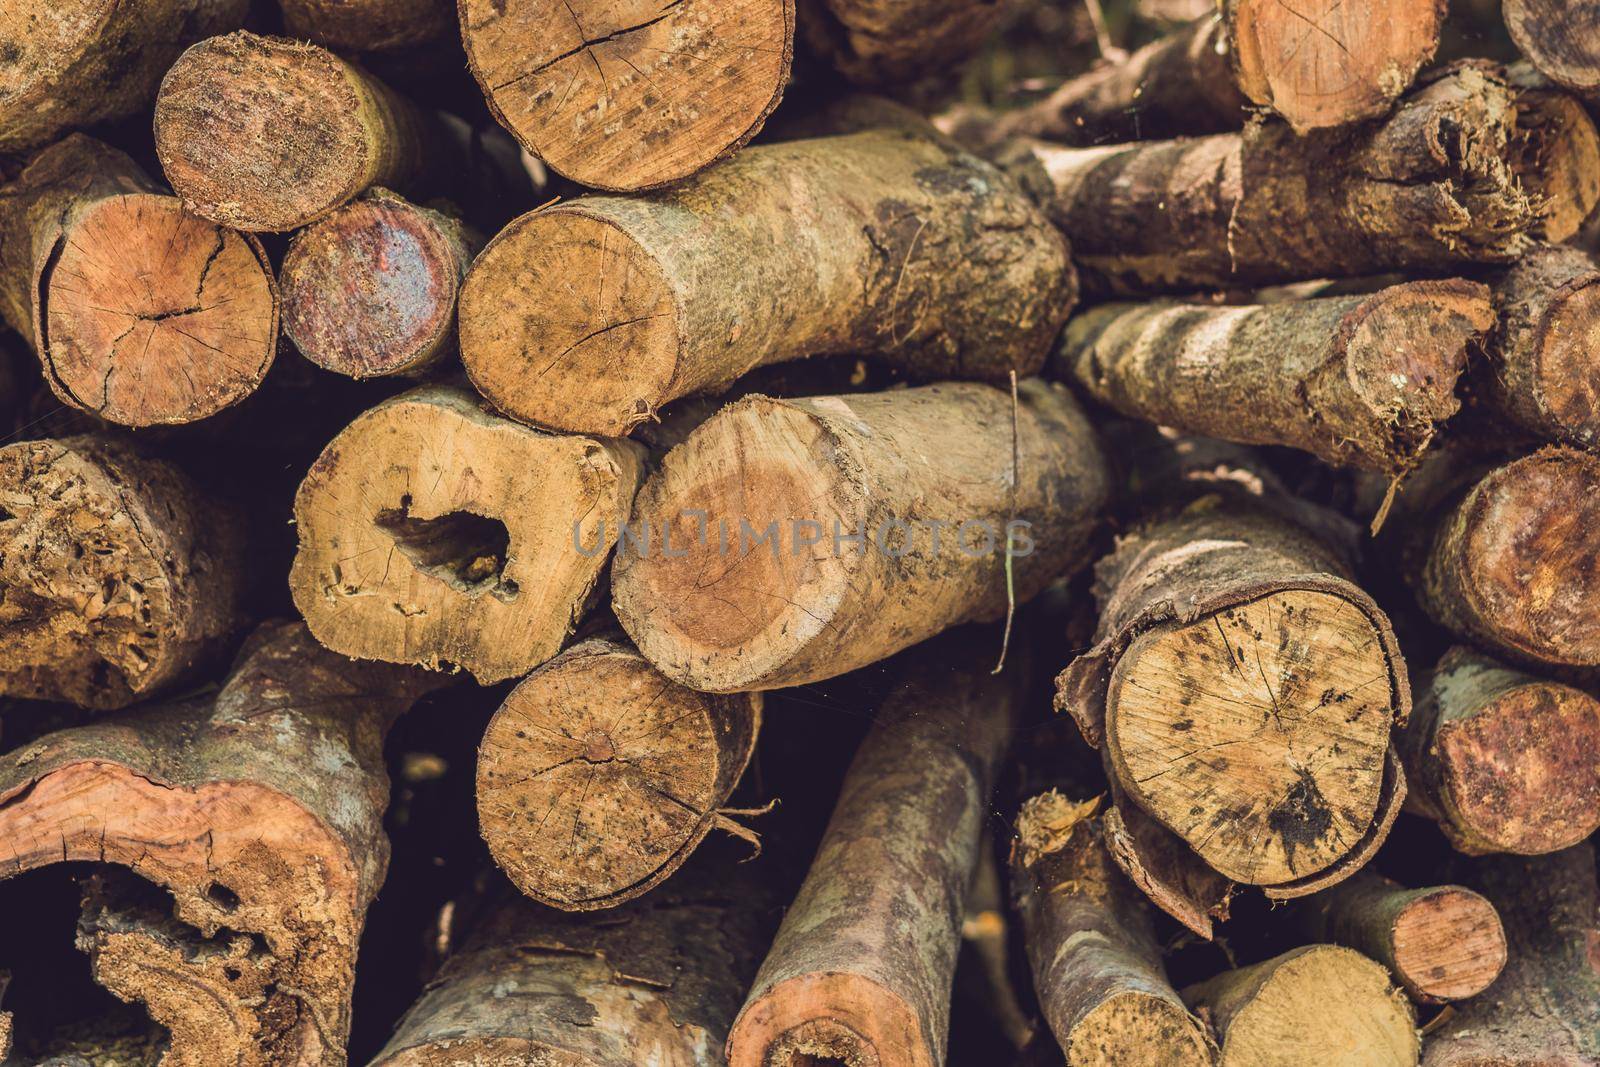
438, 435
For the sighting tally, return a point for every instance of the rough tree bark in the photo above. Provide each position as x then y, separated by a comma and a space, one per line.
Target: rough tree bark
433, 532
369, 25
1320, 1004
1544, 1011
117, 577
632, 95
1354, 380
1097, 967
370, 289
754, 584
643, 764
861, 970
1560, 37
1463, 171
140, 311
79, 62
265, 133
1502, 760
1440, 942
892, 42
1329, 62
259, 808
889, 242
656, 981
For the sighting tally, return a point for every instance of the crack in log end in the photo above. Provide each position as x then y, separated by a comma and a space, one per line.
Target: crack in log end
461, 548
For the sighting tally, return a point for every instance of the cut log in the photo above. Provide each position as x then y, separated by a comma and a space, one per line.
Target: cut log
1560, 37
369, 25
1452, 177
140, 311
801, 539
1559, 146
1329, 62
371, 288
1354, 380
882, 242
259, 808
1503, 760
627, 96
1097, 966
643, 764
893, 42
117, 578
1440, 942
265, 133
655, 982
435, 533
1544, 1010
861, 970
1320, 1004
80, 62
1540, 373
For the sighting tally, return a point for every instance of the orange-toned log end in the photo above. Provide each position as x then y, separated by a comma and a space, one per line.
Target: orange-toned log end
598, 776
1560, 37
1567, 383
1330, 62
597, 352
630, 94
1448, 944
823, 1020
1557, 159
371, 289
152, 315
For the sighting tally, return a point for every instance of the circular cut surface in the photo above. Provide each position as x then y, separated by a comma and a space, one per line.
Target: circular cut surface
1257, 734
825, 1019
1138, 1030
261, 133
1397, 344
630, 94
368, 289
1522, 772
1567, 377
1561, 37
1449, 944
1329, 62
566, 322
1558, 160
1328, 1006
155, 315
592, 777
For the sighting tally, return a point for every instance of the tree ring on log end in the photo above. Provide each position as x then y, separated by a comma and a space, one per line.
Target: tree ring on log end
1117, 1033
1448, 943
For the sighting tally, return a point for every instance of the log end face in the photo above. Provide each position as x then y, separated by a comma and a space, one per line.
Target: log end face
1448, 944
1560, 37
568, 322
689, 80
152, 315
828, 1019
1565, 384
1139, 1029
261, 133
1556, 157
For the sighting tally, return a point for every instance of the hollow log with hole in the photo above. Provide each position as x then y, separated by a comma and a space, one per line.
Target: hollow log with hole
643, 764
963, 503
1091, 941
141, 312
861, 969
1501, 759
1355, 380
890, 242
118, 578
1466, 170
435, 533
254, 815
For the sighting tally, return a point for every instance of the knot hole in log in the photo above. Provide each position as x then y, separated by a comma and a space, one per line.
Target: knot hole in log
821, 1043
465, 550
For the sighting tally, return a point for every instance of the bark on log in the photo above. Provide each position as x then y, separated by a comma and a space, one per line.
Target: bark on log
140, 311
369, 25
435, 533
259, 807
861, 970
644, 765
1502, 760
1544, 1011
117, 578
1541, 373
1329, 62
655, 982
265, 133
80, 62
1354, 380
1460, 173
888, 242
1560, 37
371, 288
1097, 967
1320, 1004
892, 42
1440, 942
627, 96
940, 482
